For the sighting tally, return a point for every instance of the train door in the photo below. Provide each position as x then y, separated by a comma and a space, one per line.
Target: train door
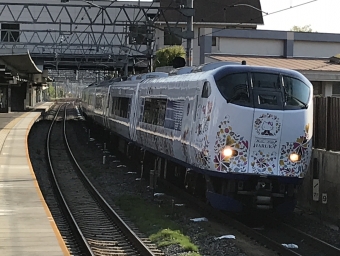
189, 105
267, 124
134, 113
92, 98
106, 107
196, 134
231, 121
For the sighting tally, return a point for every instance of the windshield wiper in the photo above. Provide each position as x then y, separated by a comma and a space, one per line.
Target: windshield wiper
298, 100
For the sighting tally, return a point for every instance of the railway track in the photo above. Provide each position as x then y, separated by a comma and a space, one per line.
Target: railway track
308, 245
272, 236
99, 230
39, 161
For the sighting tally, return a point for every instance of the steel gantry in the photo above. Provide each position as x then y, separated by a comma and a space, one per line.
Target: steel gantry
85, 34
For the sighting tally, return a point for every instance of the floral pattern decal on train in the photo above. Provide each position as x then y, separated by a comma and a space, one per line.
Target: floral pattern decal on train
202, 156
202, 153
154, 141
301, 146
226, 137
202, 127
267, 124
264, 162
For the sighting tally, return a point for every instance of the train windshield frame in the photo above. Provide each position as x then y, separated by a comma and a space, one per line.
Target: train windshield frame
264, 90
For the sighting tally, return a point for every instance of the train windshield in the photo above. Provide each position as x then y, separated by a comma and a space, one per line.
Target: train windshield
264, 90
296, 92
235, 88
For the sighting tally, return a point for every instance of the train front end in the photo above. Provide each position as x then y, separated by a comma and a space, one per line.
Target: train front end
260, 138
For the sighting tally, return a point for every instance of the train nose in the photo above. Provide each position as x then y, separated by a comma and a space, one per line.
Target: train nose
264, 146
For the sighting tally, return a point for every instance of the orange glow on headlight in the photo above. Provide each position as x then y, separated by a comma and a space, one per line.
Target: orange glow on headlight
227, 152
294, 157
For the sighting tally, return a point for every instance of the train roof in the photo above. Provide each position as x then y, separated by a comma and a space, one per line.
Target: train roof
225, 70
213, 65
148, 75
201, 68
181, 71
107, 83
216, 69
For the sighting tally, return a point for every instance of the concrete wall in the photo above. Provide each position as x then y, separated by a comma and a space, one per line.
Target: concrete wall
241, 46
323, 195
276, 43
316, 49
275, 47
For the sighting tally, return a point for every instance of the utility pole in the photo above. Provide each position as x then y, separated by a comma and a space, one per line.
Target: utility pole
190, 29
150, 44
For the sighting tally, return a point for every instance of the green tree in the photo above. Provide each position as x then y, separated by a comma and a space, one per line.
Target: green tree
61, 93
51, 90
306, 28
55, 91
165, 56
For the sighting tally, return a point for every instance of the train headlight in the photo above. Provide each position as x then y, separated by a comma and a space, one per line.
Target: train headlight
294, 157
229, 152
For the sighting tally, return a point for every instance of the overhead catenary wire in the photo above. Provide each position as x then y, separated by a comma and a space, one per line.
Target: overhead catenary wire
271, 13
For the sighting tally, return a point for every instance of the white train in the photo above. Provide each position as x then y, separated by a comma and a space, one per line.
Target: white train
239, 134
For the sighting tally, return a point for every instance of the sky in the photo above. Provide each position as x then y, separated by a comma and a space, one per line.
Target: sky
321, 15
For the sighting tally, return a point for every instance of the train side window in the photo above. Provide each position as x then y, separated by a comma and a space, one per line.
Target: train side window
235, 88
99, 101
206, 91
120, 106
154, 111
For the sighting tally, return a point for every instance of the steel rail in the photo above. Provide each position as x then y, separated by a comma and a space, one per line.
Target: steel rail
126, 230
65, 208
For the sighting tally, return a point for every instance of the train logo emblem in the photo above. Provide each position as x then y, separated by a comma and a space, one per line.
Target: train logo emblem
267, 124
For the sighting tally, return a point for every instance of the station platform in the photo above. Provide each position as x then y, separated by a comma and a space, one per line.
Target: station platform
26, 225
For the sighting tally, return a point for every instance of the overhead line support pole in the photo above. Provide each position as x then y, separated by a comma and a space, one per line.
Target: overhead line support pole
190, 29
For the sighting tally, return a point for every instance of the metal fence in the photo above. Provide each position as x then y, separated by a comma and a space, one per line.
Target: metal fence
327, 123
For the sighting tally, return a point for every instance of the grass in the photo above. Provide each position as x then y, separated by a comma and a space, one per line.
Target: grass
167, 237
151, 220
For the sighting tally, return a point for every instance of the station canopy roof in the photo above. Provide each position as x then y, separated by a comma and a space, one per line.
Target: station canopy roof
18, 61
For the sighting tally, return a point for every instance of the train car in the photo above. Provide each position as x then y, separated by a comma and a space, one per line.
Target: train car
100, 95
89, 94
239, 134
121, 97
85, 95
94, 100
